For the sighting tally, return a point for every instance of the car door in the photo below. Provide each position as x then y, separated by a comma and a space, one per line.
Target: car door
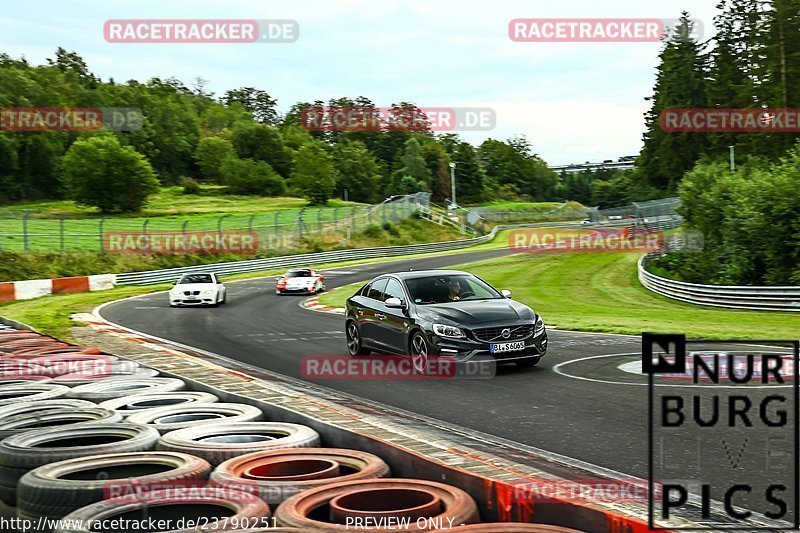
370, 308
392, 323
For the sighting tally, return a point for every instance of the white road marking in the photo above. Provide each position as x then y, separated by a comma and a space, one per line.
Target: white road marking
559, 369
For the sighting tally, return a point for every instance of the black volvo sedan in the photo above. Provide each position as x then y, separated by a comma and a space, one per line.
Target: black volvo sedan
431, 313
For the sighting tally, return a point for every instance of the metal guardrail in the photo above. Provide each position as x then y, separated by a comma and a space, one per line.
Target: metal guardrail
759, 298
291, 261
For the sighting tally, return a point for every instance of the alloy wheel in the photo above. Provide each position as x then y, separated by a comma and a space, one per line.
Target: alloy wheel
419, 354
353, 340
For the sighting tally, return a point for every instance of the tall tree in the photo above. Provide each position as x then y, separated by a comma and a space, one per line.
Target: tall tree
256, 101
314, 174
262, 143
680, 83
413, 171
469, 174
357, 171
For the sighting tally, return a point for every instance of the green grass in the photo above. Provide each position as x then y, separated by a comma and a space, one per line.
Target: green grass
51, 314
167, 211
20, 266
508, 205
213, 200
600, 292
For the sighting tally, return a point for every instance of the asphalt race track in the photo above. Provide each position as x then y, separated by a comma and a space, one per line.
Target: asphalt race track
578, 402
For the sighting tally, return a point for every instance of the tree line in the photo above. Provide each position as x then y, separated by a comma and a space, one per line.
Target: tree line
748, 215
239, 140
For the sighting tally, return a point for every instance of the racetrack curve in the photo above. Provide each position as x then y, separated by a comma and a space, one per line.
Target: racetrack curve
601, 420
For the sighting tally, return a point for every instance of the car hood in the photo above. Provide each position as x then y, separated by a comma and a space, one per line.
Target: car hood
194, 286
300, 281
477, 311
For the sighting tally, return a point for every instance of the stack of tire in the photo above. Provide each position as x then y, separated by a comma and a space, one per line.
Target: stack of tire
125, 443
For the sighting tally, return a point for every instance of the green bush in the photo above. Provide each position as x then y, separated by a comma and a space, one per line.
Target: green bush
372, 231
245, 176
101, 173
749, 221
190, 186
211, 152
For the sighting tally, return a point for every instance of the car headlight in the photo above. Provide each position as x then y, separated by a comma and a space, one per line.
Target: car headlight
444, 330
208, 292
538, 328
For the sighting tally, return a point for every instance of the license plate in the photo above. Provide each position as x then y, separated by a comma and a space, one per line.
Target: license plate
507, 347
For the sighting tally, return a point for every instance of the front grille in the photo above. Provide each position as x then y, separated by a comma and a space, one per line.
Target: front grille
496, 334
191, 293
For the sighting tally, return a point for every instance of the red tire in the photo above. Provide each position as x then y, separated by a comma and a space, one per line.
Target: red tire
279, 474
376, 497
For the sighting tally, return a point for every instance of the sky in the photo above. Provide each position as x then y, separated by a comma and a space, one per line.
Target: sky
574, 101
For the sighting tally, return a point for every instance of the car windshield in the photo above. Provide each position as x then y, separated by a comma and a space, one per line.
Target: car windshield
449, 288
298, 274
195, 278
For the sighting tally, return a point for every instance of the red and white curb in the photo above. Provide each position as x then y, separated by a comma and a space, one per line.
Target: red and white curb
312, 304
11, 291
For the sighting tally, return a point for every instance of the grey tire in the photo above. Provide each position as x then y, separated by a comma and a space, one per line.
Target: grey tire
128, 405
108, 389
219, 443
48, 418
28, 392
25, 451
24, 407
178, 417
57, 489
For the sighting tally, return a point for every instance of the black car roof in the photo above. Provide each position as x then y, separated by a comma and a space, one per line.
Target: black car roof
410, 274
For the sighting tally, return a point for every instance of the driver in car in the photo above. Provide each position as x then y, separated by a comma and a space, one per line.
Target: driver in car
455, 290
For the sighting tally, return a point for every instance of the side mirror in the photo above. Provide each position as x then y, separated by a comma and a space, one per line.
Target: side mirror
394, 303
175, 282
506, 293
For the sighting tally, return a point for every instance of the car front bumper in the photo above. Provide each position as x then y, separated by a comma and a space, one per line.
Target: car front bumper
296, 290
468, 350
199, 301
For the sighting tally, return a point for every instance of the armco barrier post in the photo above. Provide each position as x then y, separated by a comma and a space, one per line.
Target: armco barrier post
353, 218
26, 238
300, 222
219, 222
102, 235
61, 232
